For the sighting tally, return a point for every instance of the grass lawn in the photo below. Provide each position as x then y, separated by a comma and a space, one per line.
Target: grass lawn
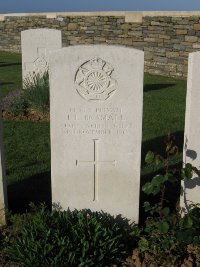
10, 72
163, 112
27, 144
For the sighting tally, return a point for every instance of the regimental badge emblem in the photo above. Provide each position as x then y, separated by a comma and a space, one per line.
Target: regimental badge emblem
94, 80
40, 65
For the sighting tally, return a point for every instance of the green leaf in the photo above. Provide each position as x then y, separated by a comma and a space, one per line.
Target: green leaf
147, 188
173, 150
182, 174
143, 244
158, 160
147, 206
163, 227
188, 165
159, 179
149, 157
196, 240
166, 211
187, 222
156, 190
168, 147
188, 173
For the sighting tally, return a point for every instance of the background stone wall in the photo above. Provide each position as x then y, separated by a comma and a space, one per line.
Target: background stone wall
166, 38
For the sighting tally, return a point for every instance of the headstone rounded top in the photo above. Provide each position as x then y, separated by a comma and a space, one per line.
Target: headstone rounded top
96, 96
36, 45
113, 48
40, 30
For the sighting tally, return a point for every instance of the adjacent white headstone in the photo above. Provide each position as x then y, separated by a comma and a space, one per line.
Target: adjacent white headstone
35, 45
3, 188
96, 98
191, 152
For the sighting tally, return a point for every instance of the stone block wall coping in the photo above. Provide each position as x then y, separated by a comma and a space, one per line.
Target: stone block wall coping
130, 16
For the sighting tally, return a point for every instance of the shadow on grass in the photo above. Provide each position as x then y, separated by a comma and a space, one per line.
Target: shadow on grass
7, 83
154, 87
2, 64
157, 145
36, 189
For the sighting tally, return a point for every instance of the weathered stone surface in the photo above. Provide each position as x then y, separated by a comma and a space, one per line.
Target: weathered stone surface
196, 27
96, 128
181, 31
191, 39
164, 36
182, 68
191, 152
172, 54
126, 26
179, 47
196, 46
161, 59
168, 31
36, 46
148, 55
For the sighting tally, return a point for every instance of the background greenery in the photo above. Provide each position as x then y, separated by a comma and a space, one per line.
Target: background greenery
10, 72
27, 143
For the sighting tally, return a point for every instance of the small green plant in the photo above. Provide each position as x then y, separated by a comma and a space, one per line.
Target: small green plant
163, 235
189, 226
170, 175
65, 238
19, 106
4, 241
15, 103
36, 91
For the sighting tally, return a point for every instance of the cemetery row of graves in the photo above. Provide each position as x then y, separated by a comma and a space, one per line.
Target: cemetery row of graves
82, 131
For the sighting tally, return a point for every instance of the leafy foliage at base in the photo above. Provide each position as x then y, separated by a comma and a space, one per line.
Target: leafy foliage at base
35, 96
65, 238
166, 233
15, 103
36, 91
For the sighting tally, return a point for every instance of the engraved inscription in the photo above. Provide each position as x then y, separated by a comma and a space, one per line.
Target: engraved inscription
96, 162
93, 120
93, 80
40, 64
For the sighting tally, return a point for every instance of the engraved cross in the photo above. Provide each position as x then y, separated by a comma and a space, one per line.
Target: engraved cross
96, 162
30, 66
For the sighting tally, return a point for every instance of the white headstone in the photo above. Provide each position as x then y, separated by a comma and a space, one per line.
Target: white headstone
35, 45
3, 188
96, 98
191, 151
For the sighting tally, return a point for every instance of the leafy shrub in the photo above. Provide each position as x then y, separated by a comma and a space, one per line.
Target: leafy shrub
167, 234
15, 103
65, 238
189, 226
9, 98
19, 106
162, 249
4, 240
36, 91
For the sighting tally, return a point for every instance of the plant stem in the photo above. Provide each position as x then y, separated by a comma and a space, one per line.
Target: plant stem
162, 201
